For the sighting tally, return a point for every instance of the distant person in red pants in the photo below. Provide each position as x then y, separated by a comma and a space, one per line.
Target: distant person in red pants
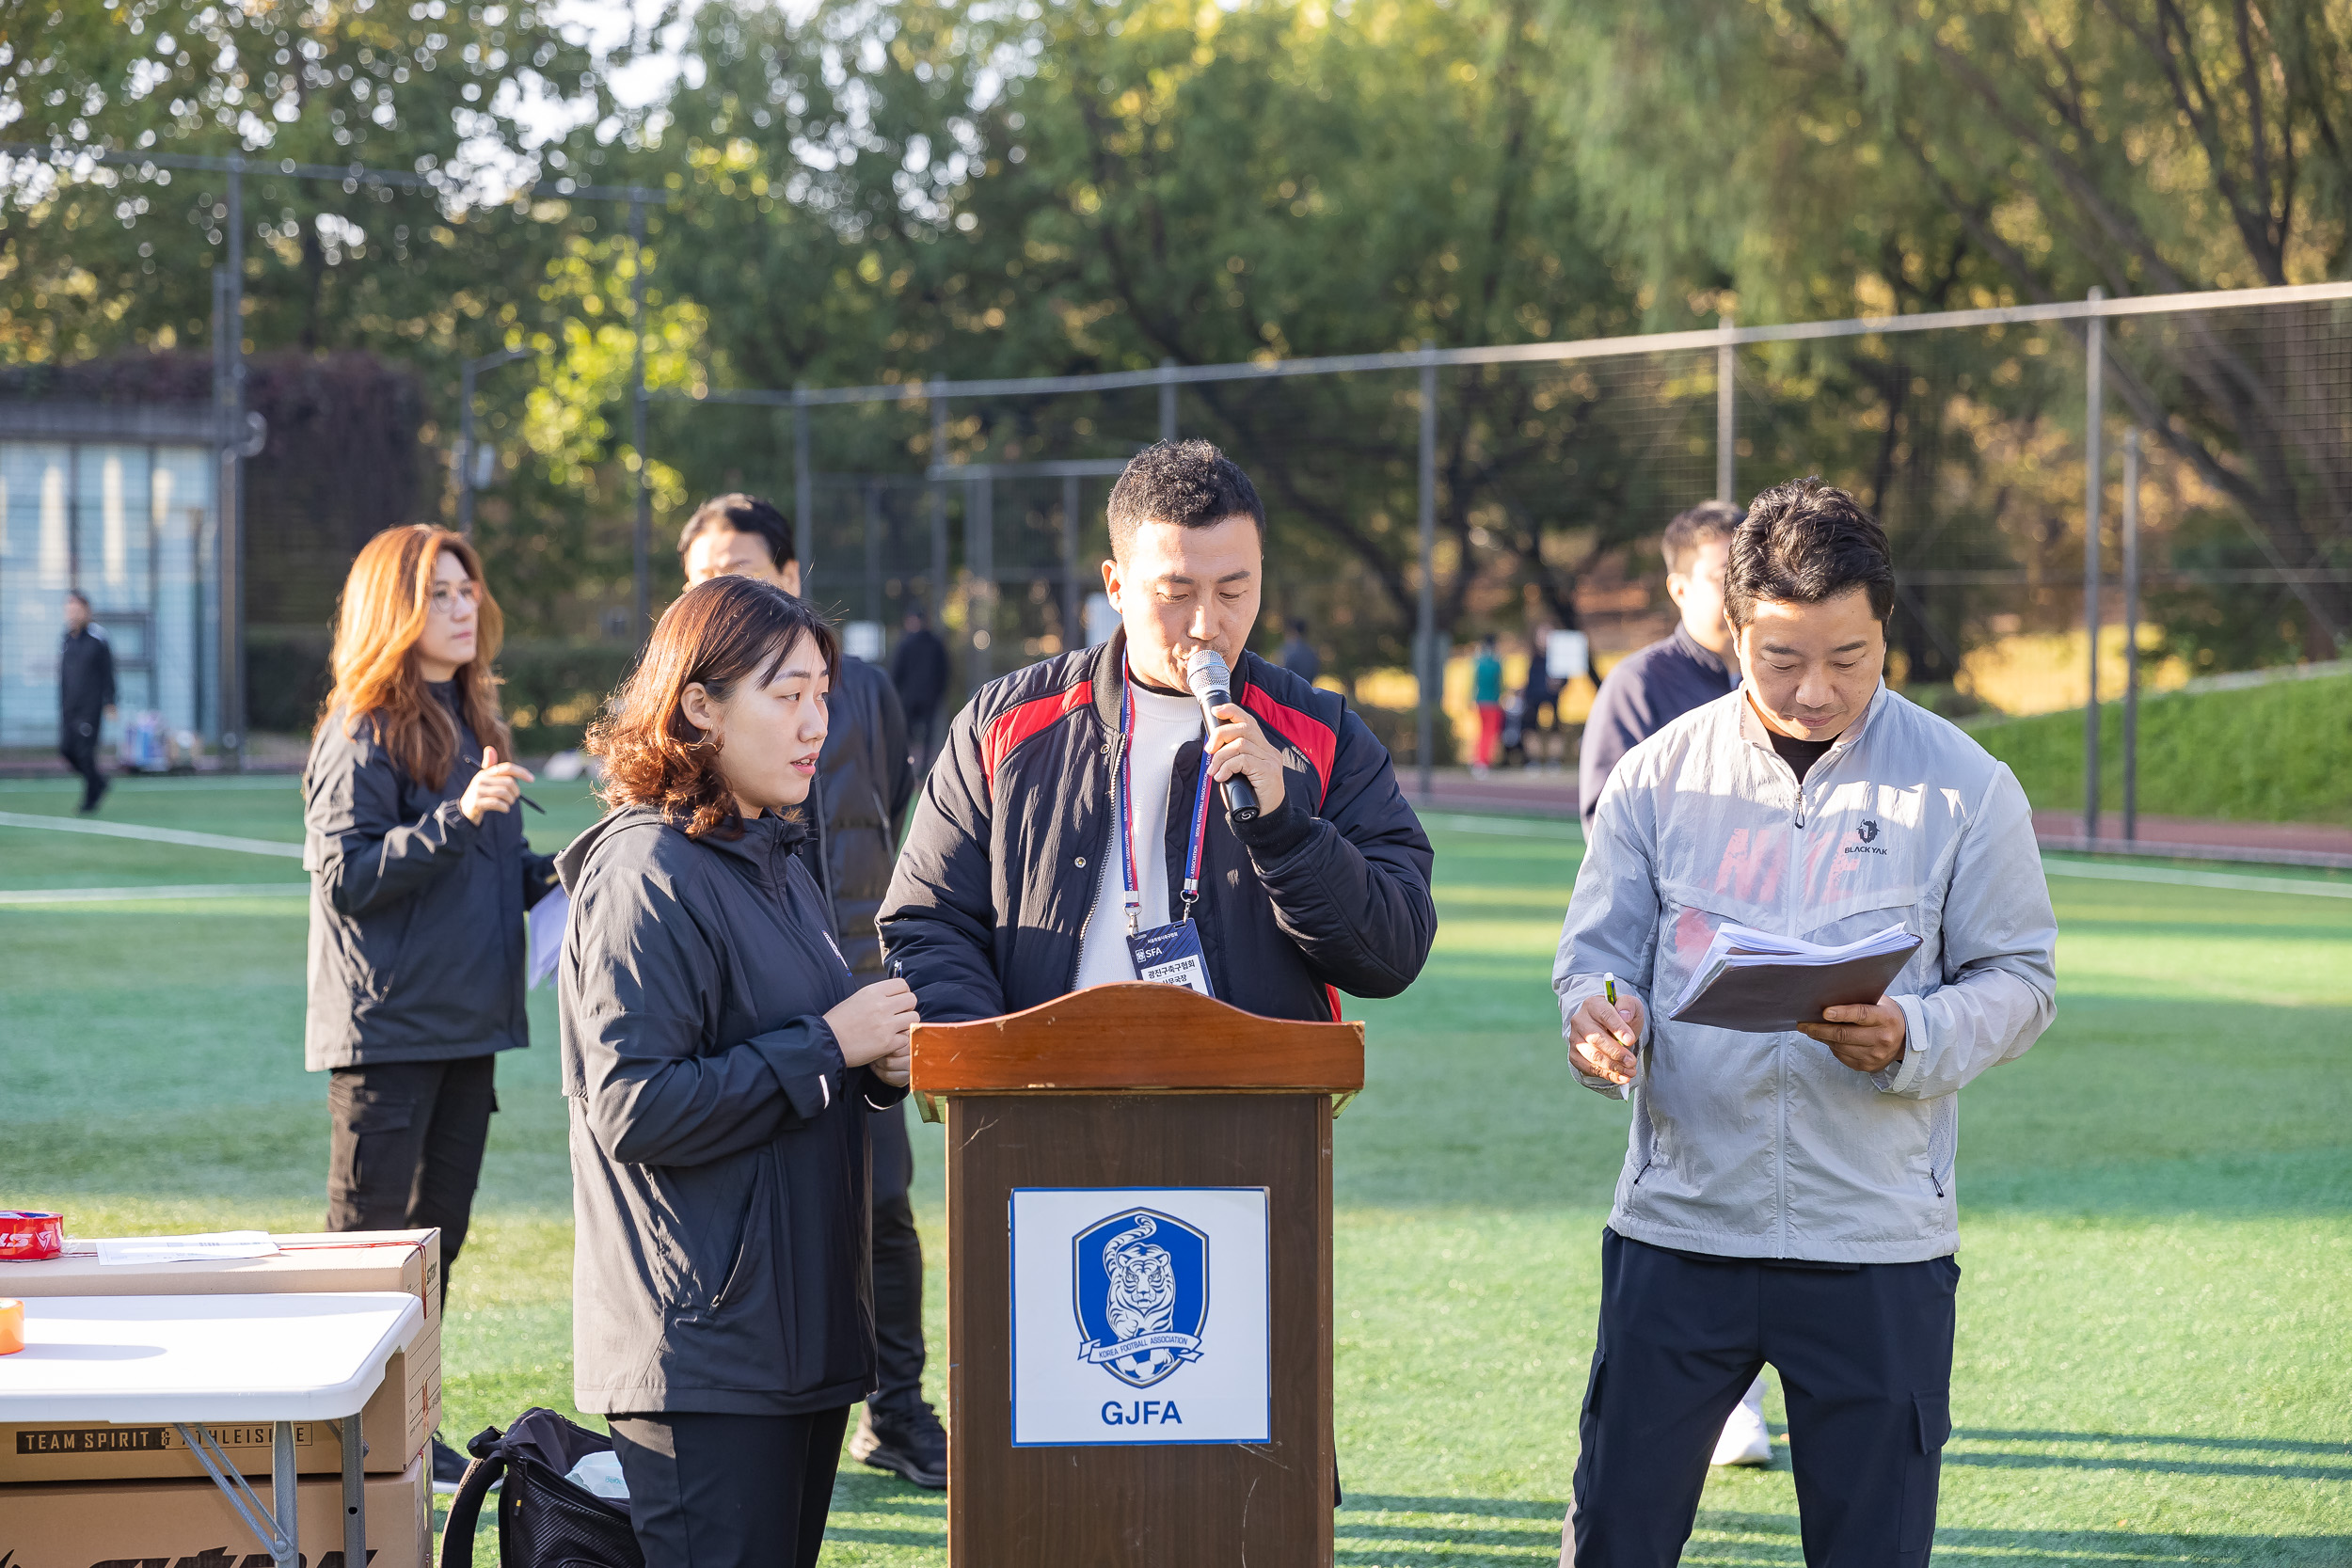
1487, 692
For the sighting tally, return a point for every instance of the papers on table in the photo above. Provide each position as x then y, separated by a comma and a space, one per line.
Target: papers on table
1759, 983
547, 919
185, 1249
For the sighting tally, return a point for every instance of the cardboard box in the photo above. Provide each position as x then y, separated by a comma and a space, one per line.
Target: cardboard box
395, 1425
128, 1523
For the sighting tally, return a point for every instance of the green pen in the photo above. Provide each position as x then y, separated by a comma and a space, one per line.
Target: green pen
1609, 984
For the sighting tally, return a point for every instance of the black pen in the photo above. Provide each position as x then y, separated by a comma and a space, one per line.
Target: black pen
519, 794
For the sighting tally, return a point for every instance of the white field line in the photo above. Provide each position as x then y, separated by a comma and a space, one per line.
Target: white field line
2197, 878
1563, 833
125, 784
131, 895
152, 835
1507, 827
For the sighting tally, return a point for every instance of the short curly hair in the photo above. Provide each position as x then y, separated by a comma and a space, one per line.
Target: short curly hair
1189, 483
1802, 543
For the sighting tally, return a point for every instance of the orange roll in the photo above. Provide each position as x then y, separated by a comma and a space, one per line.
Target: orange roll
11, 1326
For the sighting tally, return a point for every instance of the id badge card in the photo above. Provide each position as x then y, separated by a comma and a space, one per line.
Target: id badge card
1171, 955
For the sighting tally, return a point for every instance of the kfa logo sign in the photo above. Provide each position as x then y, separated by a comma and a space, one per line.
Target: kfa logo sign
1143, 1295
1113, 1338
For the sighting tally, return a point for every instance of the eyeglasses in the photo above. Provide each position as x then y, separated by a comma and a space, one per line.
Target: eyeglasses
446, 599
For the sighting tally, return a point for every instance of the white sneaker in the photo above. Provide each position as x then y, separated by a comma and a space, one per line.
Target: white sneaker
1745, 1440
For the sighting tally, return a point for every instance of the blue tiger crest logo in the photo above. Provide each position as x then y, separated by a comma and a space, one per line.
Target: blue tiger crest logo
1142, 1294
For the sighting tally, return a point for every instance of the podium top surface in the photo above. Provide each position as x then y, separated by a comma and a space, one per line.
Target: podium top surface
1137, 1037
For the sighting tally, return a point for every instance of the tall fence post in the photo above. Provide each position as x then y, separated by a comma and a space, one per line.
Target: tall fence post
1428, 672
1167, 400
2131, 635
232, 551
466, 374
1726, 419
980, 571
2094, 414
804, 493
641, 545
1073, 634
939, 506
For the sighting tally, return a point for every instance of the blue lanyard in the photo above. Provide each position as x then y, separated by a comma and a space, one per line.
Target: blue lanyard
1124, 806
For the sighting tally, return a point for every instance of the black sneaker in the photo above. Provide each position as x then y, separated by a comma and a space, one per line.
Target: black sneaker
911, 1445
449, 1468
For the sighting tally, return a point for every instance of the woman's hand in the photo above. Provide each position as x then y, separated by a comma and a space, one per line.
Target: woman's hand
496, 788
875, 1023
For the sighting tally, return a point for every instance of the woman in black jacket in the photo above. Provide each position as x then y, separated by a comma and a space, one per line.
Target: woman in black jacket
420, 876
719, 1064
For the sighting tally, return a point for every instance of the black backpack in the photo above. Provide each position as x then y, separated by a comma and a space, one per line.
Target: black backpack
546, 1520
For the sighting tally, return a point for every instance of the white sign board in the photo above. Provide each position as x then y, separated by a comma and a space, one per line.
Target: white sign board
1567, 656
1139, 1315
863, 640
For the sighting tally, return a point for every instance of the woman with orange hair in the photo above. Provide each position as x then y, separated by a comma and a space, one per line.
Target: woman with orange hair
420, 876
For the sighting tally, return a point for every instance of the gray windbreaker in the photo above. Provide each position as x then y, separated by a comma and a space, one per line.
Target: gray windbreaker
1766, 1145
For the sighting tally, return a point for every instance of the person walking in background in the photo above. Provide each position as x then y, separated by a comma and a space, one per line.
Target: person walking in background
864, 783
1487, 696
721, 1065
1789, 1196
1298, 655
86, 697
1690, 665
1647, 690
420, 877
1539, 702
919, 670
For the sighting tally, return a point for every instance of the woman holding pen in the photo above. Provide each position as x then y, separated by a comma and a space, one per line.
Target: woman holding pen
420, 876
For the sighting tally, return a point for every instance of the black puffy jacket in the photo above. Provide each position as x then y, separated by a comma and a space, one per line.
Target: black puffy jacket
719, 1143
1328, 891
416, 938
863, 782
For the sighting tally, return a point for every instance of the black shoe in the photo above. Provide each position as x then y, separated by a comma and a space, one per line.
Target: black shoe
449, 1468
911, 1445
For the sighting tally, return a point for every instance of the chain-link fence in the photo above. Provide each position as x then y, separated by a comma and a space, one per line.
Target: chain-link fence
1418, 501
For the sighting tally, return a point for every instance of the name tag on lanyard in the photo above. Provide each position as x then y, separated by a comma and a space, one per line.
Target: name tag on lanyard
1167, 955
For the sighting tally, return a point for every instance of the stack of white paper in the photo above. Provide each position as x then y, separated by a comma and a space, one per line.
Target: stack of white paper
1754, 980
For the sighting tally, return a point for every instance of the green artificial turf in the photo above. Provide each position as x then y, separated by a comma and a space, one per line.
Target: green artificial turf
2272, 753
2156, 1331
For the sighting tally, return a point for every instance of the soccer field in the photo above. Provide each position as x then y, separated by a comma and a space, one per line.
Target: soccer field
2155, 1316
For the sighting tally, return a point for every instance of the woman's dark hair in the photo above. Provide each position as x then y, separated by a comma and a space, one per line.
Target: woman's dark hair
1802, 543
741, 514
720, 633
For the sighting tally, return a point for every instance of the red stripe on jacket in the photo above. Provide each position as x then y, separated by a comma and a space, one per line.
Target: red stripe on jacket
1014, 725
1317, 739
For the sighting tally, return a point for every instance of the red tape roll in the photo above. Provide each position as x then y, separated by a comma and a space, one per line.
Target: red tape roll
28, 1233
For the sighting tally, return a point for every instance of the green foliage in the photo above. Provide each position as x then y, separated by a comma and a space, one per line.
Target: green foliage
2280, 753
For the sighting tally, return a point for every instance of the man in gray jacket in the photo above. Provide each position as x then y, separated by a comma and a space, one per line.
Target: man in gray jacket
1788, 1197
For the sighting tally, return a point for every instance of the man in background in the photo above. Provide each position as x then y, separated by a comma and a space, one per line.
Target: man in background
1645, 693
1653, 687
85, 696
1298, 655
1487, 695
864, 782
919, 671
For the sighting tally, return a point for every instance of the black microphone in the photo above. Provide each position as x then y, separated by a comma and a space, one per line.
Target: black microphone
1212, 682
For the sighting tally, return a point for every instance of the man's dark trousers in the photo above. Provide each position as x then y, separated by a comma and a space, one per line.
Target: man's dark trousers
898, 1274
77, 742
1865, 1356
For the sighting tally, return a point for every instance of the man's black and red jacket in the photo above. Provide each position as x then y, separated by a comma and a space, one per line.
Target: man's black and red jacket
1328, 892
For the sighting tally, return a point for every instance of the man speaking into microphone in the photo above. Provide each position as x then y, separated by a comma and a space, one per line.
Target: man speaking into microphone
1089, 823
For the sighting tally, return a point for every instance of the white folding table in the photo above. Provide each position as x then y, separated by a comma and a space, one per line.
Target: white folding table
188, 1360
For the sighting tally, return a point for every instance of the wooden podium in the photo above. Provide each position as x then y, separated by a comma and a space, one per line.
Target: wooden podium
1137, 1087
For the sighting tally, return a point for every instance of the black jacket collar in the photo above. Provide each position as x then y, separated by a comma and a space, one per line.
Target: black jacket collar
1108, 674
